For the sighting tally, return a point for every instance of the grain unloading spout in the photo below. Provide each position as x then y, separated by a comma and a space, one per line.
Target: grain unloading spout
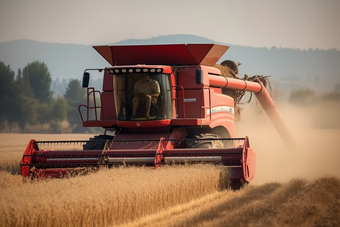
270, 108
263, 97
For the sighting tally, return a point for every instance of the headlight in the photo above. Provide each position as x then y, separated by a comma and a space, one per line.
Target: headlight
133, 70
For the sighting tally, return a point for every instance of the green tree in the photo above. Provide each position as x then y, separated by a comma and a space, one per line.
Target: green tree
29, 108
45, 114
23, 84
75, 96
15, 108
8, 94
37, 75
59, 112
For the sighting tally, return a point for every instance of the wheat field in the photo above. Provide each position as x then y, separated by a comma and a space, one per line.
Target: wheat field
106, 197
298, 187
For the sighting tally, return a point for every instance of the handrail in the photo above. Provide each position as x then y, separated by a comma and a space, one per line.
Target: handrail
95, 107
209, 106
91, 91
183, 105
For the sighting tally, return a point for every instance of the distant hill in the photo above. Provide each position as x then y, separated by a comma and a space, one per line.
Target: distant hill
63, 60
167, 39
289, 68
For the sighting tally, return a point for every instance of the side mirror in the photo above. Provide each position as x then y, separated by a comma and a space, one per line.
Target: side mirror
86, 79
199, 76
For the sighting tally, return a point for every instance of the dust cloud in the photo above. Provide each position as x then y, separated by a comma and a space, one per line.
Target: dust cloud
316, 131
292, 187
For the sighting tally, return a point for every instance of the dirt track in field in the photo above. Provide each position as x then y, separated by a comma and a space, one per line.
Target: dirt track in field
293, 187
296, 203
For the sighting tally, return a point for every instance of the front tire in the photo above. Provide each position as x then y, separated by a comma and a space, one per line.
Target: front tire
204, 142
97, 142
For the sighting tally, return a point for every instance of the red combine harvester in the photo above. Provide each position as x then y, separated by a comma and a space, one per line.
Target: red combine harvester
164, 104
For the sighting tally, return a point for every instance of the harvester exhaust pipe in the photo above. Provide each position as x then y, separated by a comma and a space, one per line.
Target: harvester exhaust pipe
264, 98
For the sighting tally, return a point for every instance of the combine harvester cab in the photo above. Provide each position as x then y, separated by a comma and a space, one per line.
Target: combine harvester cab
165, 104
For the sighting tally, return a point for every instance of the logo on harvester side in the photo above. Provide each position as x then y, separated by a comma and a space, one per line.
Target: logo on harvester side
190, 100
220, 109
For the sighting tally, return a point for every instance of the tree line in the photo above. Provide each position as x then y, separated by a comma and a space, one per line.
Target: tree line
58, 87
308, 97
26, 100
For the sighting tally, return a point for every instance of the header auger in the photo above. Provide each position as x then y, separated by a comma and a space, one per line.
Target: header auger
165, 104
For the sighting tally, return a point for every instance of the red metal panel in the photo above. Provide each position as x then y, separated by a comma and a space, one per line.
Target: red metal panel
250, 165
145, 124
188, 121
187, 78
226, 153
107, 123
176, 54
31, 147
105, 51
169, 54
248, 160
207, 54
107, 81
199, 51
192, 104
108, 106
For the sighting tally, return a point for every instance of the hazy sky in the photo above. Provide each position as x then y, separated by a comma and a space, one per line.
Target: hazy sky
262, 23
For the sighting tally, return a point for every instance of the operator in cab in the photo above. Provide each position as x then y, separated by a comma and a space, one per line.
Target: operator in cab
146, 91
